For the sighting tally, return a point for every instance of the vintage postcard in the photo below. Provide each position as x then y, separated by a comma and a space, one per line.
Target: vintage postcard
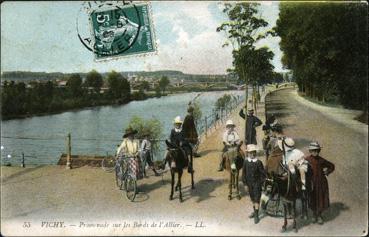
190, 118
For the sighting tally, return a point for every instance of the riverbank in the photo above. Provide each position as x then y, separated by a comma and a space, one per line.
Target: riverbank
147, 96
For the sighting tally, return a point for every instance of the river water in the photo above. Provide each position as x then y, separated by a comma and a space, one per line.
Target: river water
94, 131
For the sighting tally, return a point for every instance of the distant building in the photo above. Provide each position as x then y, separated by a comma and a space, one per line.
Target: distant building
61, 83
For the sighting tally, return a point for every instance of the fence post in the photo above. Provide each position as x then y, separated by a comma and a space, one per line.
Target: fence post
69, 151
23, 164
206, 126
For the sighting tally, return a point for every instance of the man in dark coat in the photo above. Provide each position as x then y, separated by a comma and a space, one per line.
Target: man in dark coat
253, 175
189, 129
251, 123
319, 196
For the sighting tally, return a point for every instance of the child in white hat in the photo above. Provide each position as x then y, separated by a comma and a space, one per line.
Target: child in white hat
253, 175
230, 139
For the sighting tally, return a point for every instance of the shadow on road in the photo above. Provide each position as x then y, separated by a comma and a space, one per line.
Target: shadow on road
203, 189
334, 210
301, 142
204, 153
332, 213
20, 173
150, 187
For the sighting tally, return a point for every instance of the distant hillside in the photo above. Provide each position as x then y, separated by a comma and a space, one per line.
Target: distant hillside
30, 76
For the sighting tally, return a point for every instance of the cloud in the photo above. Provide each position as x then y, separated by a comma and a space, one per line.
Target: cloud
196, 46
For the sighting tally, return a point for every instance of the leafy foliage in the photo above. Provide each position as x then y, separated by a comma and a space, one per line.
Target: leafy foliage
163, 83
94, 80
223, 102
197, 113
151, 126
119, 87
19, 99
325, 46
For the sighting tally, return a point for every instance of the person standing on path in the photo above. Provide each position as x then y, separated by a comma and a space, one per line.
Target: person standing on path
189, 130
251, 123
146, 154
253, 175
319, 196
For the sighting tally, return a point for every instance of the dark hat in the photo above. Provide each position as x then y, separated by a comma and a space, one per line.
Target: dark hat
129, 131
190, 109
277, 128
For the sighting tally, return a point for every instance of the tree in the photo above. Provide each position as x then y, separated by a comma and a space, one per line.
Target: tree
114, 84
151, 126
74, 85
94, 80
163, 83
325, 47
145, 85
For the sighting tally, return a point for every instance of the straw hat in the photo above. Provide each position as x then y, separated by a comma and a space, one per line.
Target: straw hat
251, 147
178, 120
314, 146
230, 123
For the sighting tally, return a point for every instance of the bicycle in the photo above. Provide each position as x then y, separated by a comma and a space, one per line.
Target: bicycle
108, 163
125, 177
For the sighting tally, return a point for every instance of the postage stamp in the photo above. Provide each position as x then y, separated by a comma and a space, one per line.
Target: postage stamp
122, 31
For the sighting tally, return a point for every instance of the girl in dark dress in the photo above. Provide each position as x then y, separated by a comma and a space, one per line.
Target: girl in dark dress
319, 196
253, 175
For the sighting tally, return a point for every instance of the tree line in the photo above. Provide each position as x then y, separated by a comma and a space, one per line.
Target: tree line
325, 46
19, 99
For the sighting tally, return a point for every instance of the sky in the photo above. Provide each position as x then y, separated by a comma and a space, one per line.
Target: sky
42, 36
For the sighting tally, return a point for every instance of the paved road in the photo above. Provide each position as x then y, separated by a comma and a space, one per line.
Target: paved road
88, 195
343, 145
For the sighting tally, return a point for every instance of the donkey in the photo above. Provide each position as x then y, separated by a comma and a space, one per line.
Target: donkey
234, 156
177, 161
287, 187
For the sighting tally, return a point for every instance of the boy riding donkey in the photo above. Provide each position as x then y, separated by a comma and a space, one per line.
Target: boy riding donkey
177, 139
230, 139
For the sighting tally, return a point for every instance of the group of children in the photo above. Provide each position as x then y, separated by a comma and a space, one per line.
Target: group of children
254, 173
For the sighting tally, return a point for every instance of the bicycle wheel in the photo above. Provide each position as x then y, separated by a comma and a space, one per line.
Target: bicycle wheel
108, 164
119, 176
131, 188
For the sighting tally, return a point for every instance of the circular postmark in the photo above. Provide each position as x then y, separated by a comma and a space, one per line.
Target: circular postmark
108, 28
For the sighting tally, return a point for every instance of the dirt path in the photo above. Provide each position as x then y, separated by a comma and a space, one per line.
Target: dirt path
89, 195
